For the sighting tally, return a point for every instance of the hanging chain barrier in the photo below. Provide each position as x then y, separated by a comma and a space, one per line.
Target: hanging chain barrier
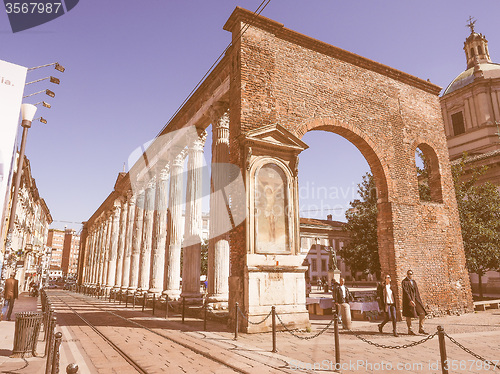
254, 323
487, 362
291, 332
413, 344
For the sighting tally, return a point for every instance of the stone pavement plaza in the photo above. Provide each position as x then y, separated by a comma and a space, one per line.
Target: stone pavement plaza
186, 348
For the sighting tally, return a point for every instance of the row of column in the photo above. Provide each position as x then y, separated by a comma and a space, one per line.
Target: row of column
136, 246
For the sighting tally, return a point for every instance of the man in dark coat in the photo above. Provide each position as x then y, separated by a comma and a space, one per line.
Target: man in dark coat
11, 293
412, 304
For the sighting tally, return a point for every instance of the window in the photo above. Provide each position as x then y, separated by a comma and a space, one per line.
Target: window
457, 120
479, 50
323, 264
314, 265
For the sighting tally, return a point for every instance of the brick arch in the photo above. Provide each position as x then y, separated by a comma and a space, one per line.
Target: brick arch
361, 141
372, 153
430, 154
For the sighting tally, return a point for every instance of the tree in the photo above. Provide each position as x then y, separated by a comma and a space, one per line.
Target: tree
423, 173
361, 252
204, 258
479, 211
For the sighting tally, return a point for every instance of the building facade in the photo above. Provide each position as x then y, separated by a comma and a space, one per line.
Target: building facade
471, 112
31, 227
65, 246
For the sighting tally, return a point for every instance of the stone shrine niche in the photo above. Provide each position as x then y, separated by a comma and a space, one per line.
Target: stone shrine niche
271, 197
273, 274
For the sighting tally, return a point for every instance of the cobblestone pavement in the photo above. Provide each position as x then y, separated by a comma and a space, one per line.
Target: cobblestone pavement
173, 347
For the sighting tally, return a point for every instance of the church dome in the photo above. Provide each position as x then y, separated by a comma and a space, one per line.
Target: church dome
489, 71
479, 65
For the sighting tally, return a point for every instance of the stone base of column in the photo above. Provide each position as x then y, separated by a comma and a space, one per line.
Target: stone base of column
192, 296
172, 294
124, 289
140, 291
131, 290
155, 291
218, 302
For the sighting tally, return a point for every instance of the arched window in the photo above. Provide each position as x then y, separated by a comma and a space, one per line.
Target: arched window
271, 210
428, 174
479, 50
472, 52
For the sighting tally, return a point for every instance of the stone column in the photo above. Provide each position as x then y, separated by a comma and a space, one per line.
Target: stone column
88, 257
128, 241
159, 232
108, 220
173, 261
113, 249
88, 254
193, 221
121, 245
136, 242
147, 235
94, 259
218, 250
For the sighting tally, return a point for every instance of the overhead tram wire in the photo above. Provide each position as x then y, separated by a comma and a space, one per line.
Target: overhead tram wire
257, 12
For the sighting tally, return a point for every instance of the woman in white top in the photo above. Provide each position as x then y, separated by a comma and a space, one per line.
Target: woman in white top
386, 297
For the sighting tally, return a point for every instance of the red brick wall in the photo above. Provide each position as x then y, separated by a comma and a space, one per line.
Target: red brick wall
279, 76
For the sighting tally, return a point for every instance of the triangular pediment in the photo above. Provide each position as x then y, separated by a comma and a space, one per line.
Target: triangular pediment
274, 135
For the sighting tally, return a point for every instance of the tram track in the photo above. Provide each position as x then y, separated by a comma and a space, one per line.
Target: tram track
133, 363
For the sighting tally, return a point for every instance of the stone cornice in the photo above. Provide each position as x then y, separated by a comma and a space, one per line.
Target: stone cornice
276, 28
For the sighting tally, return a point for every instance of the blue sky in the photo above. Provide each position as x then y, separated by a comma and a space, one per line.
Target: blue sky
131, 63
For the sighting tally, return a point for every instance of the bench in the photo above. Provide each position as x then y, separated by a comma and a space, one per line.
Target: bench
481, 305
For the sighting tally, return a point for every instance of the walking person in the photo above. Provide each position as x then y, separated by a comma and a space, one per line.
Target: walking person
11, 293
412, 304
387, 302
341, 297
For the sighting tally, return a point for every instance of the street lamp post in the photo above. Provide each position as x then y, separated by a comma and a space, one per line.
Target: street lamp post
28, 112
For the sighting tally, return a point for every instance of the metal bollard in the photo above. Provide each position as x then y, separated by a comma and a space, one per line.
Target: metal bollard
50, 336
337, 341
120, 297
143, 301
126, 299
183, 308
442, 350
166, 306
133, 302
55, 354
72, 369
236, 322
49, 344
273, 311
205, 307
154, 302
